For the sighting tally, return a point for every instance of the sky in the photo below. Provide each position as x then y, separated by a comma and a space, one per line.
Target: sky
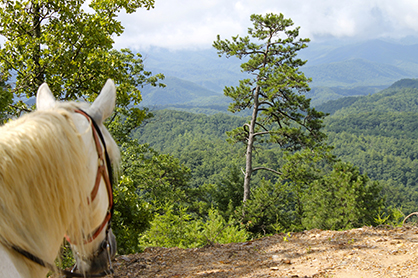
194, 24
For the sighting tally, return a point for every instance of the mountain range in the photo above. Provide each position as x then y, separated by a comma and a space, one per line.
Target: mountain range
197, 78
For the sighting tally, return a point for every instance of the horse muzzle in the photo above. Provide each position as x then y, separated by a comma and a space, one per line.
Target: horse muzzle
101, 260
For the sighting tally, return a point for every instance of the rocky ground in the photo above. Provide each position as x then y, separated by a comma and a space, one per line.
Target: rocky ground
364, 252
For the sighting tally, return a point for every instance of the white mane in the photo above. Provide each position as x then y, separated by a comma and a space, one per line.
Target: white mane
44, 178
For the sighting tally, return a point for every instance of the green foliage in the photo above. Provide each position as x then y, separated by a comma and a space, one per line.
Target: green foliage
6, 98
132, 216
280, 206
391, 216
173, 228
377, 133
344, 199
66, 259
157, 178
227, 193
269, 209
176, 228
170, 131
312, 190
278, 202
150, 181
217, 230
198, 141
59, 43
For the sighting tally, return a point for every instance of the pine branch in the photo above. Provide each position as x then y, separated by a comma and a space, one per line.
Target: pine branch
267, 169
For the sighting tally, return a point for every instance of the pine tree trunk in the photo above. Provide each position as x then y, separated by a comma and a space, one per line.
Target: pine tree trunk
248, 168
249, 152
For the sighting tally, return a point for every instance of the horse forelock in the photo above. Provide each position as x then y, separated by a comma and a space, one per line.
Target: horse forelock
43, 180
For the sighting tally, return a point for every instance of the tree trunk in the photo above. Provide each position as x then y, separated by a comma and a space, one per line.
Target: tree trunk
248, 168
36, 21
249, 152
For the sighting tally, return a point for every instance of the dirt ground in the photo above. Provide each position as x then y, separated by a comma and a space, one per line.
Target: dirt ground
364, 252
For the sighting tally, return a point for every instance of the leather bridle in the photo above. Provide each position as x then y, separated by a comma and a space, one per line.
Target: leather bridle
104, 171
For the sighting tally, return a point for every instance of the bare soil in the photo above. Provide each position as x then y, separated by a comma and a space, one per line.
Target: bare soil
364, 252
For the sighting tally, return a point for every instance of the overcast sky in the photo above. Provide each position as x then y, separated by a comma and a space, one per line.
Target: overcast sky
194, 24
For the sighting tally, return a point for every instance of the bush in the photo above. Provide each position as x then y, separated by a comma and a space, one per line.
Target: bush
176, 228
216, 230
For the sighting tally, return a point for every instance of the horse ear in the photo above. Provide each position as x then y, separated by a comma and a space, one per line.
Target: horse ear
104, 104
44, 98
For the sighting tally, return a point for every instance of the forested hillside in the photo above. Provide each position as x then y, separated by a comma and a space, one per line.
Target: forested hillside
199, 141
337, 70
377, 133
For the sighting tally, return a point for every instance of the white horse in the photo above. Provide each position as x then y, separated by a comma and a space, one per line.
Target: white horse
54, 182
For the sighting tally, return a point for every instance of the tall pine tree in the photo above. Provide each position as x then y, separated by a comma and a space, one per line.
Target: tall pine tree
274, 92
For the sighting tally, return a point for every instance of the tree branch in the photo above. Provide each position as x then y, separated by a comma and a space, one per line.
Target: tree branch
261, 133
267, 169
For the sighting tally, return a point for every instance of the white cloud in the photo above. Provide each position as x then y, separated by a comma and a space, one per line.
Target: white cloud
180, 24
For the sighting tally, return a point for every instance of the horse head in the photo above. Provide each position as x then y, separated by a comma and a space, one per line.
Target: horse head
94, 249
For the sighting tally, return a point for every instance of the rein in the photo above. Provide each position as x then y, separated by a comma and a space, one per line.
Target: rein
104, 171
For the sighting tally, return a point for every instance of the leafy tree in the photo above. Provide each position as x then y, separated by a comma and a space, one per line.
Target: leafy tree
59, 43
150, 182
72, 50
280, 112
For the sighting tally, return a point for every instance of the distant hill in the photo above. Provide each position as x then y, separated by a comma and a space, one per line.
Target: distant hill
356, 72
377, 51
389, 100
176, 91
330, 107
321, 95
401, 96
202, 67
337, 70
374, 62
405, 83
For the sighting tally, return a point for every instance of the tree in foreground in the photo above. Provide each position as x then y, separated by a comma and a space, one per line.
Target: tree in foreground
72, 50
274, 92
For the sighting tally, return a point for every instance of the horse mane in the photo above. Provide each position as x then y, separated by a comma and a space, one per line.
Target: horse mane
44, 179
